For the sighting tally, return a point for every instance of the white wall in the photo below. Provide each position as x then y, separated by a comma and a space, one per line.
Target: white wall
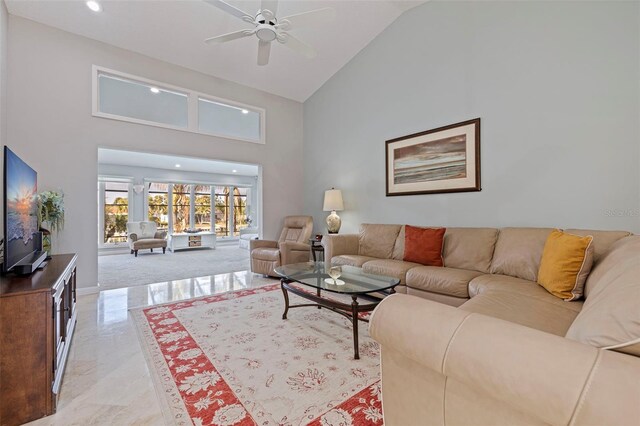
4, 21
49, 89
140, 174
557, 85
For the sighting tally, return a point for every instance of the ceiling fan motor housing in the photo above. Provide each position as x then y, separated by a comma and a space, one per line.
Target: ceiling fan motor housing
266, 28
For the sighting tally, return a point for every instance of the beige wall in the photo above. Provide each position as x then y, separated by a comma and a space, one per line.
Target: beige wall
49, 88
557, 85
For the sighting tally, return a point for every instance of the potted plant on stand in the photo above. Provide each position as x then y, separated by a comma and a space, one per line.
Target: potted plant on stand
51, 213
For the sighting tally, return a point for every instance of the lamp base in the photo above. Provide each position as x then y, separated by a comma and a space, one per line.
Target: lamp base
333, 223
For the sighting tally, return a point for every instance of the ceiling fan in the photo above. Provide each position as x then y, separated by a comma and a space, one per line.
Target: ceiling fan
269, 28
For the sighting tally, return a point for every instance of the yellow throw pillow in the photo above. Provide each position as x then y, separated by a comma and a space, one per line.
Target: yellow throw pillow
565, 265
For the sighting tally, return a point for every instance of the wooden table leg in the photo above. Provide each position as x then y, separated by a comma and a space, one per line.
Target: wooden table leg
286, 299
354, 313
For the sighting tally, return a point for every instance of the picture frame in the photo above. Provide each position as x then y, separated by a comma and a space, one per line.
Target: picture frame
441, 160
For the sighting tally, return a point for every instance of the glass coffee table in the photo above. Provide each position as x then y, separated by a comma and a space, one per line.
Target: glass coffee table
345, 280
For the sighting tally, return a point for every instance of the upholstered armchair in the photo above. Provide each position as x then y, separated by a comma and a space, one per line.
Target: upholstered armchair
292, 246
145, 235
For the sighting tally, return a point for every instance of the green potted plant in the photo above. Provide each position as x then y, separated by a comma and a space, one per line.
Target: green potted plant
51, 212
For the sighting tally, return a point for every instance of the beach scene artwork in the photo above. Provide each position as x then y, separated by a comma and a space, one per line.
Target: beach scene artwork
441, 159
22, 207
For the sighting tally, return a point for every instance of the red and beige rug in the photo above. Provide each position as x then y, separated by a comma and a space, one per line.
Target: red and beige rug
230, 359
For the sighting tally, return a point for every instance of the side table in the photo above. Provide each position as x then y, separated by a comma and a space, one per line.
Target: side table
316, 247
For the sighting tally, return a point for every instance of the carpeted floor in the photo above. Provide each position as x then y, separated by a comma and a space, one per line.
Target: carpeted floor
126, 270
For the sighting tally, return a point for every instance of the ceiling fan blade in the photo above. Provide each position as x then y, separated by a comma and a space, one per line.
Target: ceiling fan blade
264, 49
271, 6
313, 17
296, 44
231, 10
230, 36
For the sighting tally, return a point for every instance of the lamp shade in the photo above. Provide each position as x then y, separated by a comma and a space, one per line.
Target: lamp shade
333, 200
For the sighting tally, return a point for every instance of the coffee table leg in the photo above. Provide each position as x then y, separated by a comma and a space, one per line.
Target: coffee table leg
318, 293
286, 299
354, 315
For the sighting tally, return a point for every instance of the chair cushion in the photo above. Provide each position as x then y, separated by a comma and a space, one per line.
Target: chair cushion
610, 317
148, 243
351, 260
265, 253
142, 229
530, 289
540, 313
518, 252
565, 264
469, 248
377, 240
389, 268
449, 281
423, 245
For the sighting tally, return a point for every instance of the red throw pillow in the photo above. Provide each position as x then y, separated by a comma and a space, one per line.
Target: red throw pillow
424, 245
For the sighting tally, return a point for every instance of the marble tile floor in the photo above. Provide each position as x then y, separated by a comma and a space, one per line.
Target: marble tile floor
107, 381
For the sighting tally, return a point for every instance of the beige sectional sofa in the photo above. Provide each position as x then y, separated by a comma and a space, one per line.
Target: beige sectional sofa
498, 348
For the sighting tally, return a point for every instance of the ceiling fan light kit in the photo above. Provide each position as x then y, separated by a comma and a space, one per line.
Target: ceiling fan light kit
267, 28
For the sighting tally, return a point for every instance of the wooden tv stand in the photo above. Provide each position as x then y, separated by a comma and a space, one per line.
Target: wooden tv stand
37, 320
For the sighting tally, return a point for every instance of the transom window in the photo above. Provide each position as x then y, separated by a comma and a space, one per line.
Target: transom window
125, 97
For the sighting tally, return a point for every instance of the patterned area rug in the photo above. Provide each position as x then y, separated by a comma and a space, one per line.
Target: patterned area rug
230, 359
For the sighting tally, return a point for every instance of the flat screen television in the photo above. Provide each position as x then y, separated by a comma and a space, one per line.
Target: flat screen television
22, 237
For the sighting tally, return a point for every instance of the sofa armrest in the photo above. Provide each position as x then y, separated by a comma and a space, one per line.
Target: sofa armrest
335, 245
160, 235
294, 252
133, 237
254, 244
551, 378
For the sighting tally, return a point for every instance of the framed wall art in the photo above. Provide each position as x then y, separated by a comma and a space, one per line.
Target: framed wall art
446, 159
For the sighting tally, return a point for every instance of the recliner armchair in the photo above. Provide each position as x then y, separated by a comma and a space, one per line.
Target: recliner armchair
292, 246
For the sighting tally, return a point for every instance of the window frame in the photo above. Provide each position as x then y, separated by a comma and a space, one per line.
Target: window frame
102, 180
192, 105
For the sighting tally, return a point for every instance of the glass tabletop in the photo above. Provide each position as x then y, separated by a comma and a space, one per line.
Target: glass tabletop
346, 279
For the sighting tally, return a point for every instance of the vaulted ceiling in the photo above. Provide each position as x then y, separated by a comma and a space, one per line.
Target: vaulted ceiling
173, 31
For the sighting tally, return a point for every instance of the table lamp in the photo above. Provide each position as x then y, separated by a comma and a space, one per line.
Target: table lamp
333, 203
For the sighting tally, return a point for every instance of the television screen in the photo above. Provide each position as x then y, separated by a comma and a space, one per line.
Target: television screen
21, 209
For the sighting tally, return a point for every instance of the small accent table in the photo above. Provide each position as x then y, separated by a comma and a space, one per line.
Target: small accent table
357, 284
316, 247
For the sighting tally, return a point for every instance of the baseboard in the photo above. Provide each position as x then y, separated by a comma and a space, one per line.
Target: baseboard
83, 291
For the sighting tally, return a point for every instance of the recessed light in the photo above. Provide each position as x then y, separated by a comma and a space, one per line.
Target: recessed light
234, 171
155, 90
94, 5
178, 165
245, 111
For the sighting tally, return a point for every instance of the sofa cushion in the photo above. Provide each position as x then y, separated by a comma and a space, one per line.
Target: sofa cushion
602, 272
398, 248
602, 240
469, 248
423, 245
530, 289
449, 281
518, 252
610, 317
378, 240
389, 268
565, 264
539, 313
350, 259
